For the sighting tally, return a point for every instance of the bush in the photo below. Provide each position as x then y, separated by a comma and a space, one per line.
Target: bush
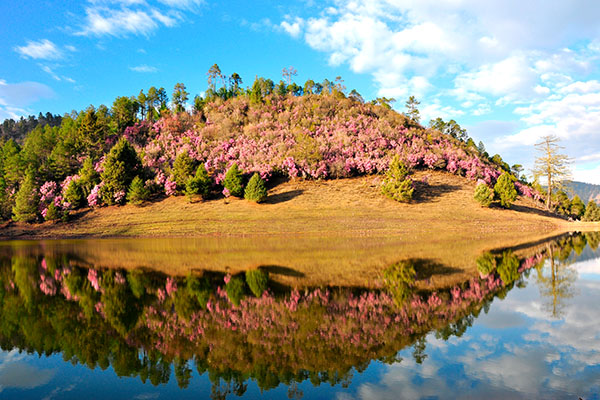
52, 213
199, 184
74, 194
257, 281
121, 166
234, 181
183, 169
235, 290
27, 200
505, 190
138, 192
592, 212
484, 195
256, 190
397, 184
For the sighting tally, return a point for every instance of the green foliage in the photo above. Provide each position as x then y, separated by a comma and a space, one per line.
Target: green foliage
484, 195
88, 177
199, 184
505, 190
399, 280
52, 213
412, 111
508, 267
200, 288
256, 190
138, 192
577, 207
27, 200
592, 212
486, 263
451, 128
397, 184
234, 181
257, 280
124, 110
180, 97
120, 305
235, 289
121, 166
563, 203
74, 194
183, 169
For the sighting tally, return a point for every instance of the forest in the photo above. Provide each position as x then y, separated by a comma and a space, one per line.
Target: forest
232, 141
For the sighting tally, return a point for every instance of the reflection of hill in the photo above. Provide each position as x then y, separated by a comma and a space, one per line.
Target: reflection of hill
145, 323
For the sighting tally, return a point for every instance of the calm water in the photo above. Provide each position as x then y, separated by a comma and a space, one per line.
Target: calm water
527, 327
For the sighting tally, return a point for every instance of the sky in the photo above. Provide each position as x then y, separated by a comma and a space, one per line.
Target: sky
508, 71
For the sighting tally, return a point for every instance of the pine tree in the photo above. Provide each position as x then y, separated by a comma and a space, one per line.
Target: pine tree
577, 207
121, 166
484, 195
592, 212
27, 200
183, 169
234, 181
199, 184
256, 190
397, 184
138, 192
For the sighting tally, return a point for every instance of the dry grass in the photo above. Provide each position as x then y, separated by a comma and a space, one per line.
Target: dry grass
341, 232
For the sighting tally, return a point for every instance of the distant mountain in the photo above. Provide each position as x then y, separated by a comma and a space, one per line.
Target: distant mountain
586, 191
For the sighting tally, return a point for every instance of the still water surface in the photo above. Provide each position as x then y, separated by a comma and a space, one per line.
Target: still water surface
526, 327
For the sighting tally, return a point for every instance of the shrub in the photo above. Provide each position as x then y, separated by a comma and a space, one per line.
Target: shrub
138, 192
121, 166
74, 194
505, 190
484, 195
183, 169
257, 281
234, 181
52, 213
27, 200
397, 184
256, 190
199, 184
486, 263
592, 212
235, 290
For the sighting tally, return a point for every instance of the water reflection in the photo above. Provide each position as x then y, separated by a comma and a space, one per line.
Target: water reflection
246, 330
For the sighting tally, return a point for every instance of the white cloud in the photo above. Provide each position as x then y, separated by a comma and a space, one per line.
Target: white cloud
101, 21
144, 68
589, 173
293, 28
43, 50
182, 3
14, 97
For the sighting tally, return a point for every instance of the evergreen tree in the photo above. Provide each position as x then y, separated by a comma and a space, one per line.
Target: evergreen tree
592, 212
484, 195
412, 111
183, 169
180, 97
234, 181
138, 192
256, 190
121, 166
199, 184
27, 200
74, 194
577, 207
88, 177
505, 190
397, 184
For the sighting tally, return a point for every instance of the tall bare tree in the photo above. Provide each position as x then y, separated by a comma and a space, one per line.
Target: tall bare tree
551, 164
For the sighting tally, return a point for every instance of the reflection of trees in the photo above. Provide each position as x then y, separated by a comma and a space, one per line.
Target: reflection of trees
556, 281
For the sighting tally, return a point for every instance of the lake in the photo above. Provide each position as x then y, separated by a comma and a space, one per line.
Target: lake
104, 319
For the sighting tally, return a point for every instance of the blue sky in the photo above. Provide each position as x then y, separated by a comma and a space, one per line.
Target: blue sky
509, 71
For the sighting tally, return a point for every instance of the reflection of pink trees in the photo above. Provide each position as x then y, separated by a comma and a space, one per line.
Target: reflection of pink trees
301, 330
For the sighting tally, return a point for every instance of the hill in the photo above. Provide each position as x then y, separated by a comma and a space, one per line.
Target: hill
91, 159
585, 191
